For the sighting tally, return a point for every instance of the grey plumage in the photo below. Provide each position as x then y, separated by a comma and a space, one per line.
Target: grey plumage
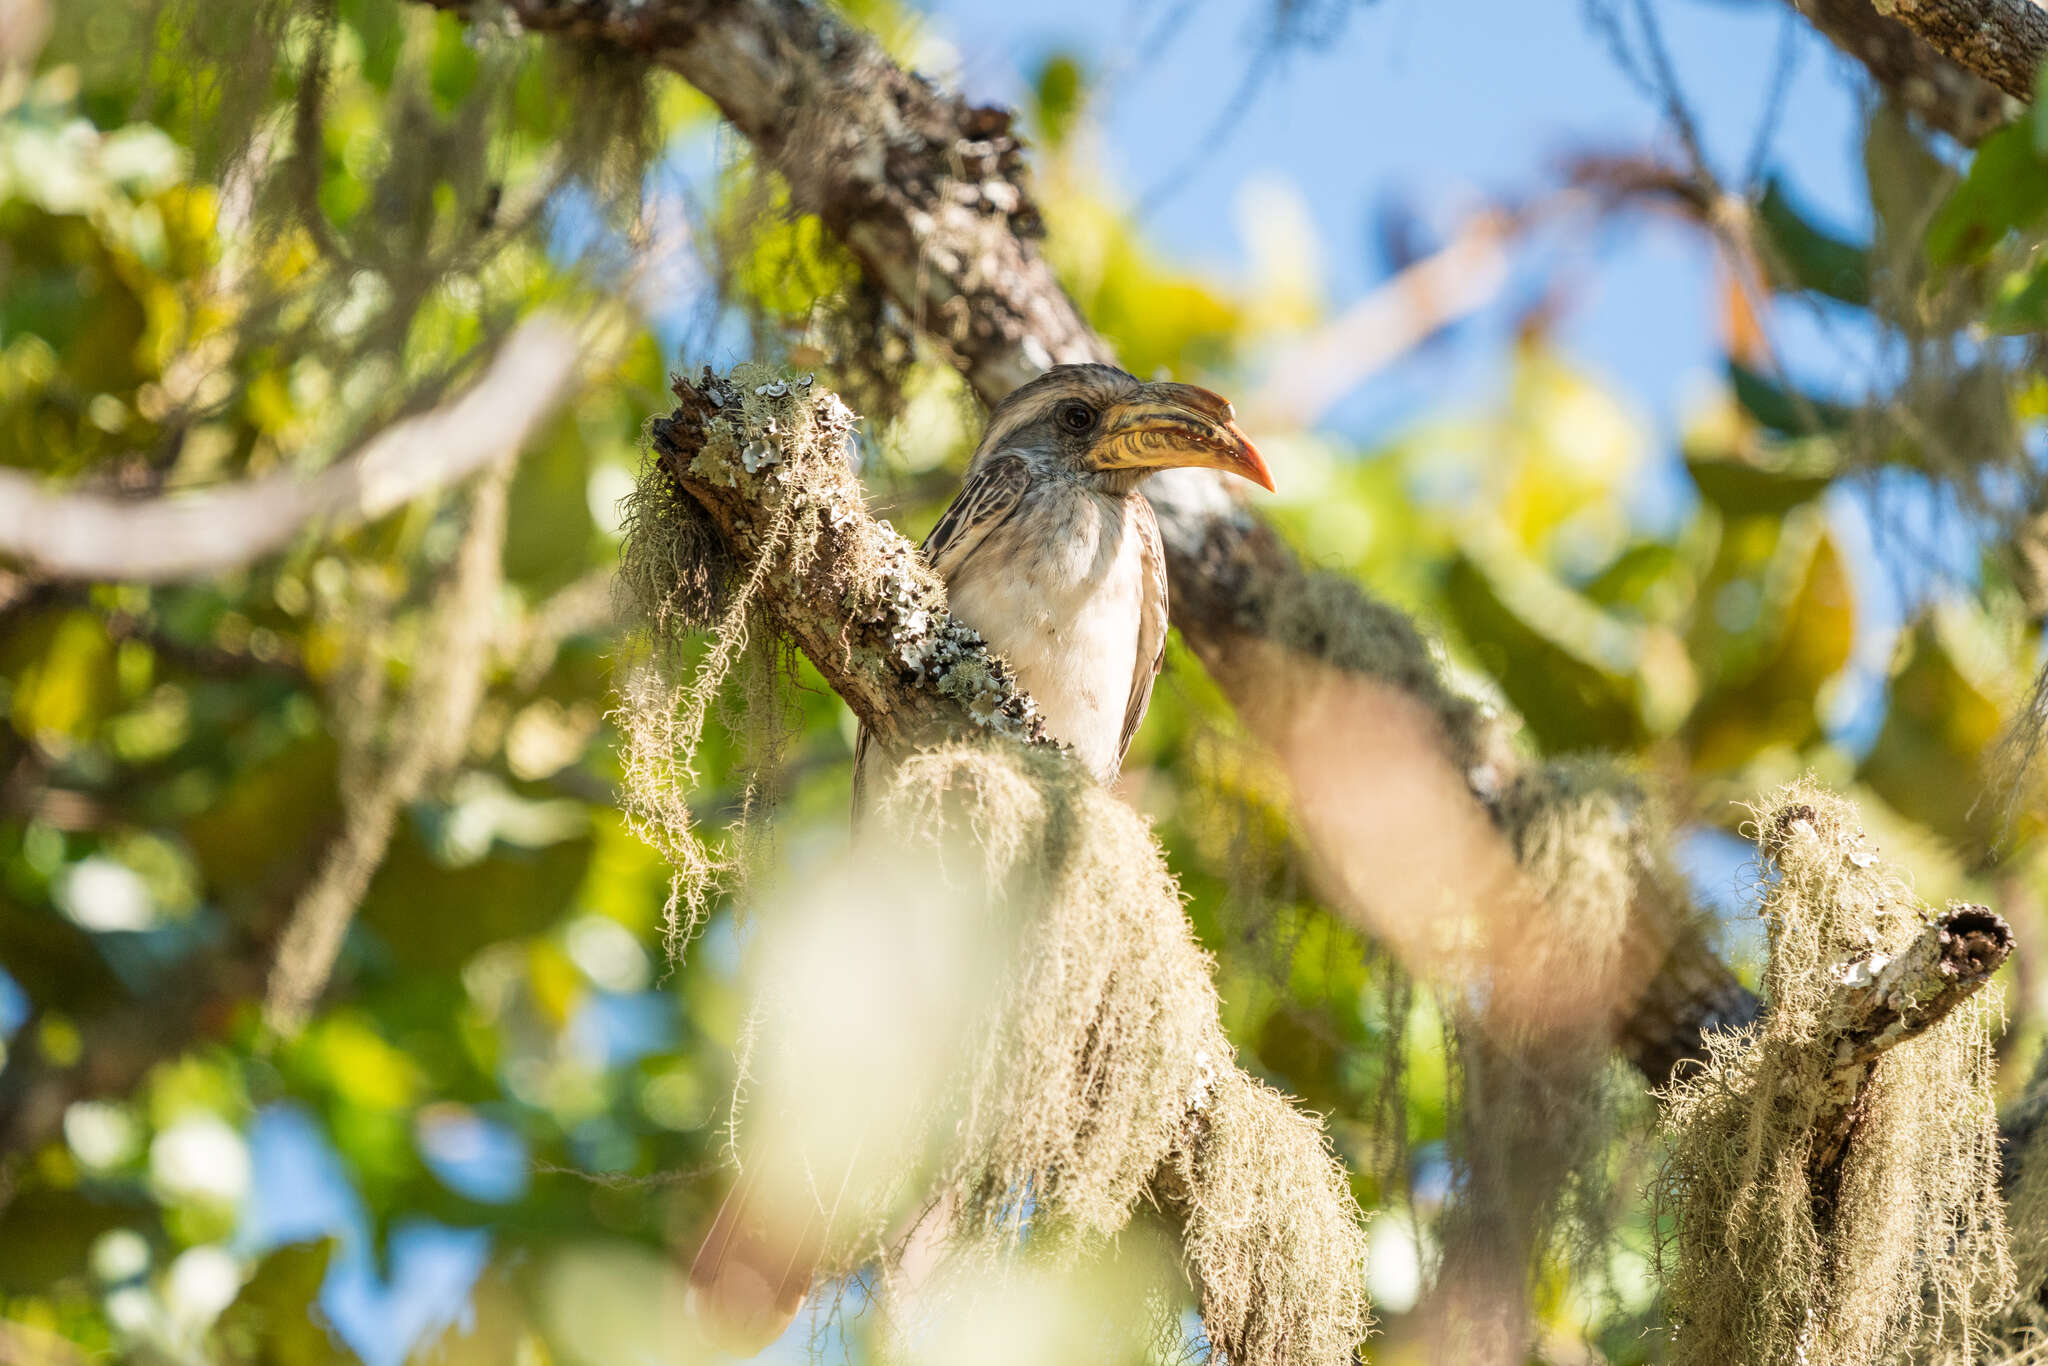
1053, 555
1051, 552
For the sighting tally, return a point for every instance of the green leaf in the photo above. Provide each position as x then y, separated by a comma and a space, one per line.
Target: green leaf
1568, 667
434, 917
2006, 190
46, 1234
1946, 711
1776, 620
1812, 257
1781, 409
1059, 97
275, 1320
2020, 305
2041, 113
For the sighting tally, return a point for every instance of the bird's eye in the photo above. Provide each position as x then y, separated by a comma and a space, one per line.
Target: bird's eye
1076, 417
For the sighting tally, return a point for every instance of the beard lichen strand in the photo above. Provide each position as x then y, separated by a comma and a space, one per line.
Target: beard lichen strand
1101, 1077
1898, 1250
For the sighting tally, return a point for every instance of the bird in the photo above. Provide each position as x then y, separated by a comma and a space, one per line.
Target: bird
1051, 552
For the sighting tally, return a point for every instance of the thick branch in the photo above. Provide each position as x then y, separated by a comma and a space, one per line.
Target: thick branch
1950, 97
196, 535
909, 669
929, 194
2003, 41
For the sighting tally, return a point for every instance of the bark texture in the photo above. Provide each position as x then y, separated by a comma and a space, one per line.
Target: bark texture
1883, 1002
1948, 94
2003, 41
930, 194
909, 670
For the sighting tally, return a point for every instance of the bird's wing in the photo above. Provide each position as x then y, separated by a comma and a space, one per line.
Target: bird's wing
991, 494
990, 497
1151, 620
860, 774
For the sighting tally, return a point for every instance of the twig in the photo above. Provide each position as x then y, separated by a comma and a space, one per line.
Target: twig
432, 732
1308, 377
75, 535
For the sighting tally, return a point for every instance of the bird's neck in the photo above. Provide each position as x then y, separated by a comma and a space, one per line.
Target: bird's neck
1118, 483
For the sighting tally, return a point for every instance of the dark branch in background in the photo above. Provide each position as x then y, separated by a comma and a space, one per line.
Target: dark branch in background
1949, 96
928, 191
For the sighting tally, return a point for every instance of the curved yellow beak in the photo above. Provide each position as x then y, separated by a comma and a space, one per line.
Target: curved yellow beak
1165, 426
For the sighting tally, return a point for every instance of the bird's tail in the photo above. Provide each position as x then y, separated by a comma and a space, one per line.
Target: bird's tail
752, 1271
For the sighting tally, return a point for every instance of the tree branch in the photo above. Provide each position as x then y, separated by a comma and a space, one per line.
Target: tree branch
2003, 41
1950, 96
72, 535
909, 669
929, 193
1882, 1002
1278, 1256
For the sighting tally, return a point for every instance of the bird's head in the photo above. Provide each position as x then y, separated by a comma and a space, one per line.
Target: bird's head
1111, 429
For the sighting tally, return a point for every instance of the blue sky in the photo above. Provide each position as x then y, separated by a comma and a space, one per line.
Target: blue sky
1441, 105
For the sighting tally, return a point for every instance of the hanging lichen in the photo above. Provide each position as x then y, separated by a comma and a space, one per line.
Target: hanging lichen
1089, 1074
990, 1028
1536, 1099
1771, 1254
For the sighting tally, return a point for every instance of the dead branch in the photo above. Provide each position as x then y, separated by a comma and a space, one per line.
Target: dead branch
1882, 1002
76, 535
1307, 377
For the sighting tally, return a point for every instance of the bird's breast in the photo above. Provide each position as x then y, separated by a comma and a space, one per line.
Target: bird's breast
1059, 597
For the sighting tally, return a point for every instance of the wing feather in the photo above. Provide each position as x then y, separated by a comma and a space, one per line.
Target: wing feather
991, 496
1151, 621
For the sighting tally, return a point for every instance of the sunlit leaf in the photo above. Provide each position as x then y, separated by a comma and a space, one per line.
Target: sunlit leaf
2006, 190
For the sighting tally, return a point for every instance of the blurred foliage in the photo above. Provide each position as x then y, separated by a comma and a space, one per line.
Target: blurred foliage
189, 296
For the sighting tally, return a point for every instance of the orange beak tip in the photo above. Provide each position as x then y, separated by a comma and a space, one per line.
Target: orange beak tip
1251, 464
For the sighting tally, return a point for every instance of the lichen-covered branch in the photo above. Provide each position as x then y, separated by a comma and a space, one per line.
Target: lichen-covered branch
929, 193
1882, 1002
1100, 1073
1832, 1178
1949, 96
856, 596
2003, 41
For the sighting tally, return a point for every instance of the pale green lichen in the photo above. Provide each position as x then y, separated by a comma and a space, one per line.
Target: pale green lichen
1907, 1256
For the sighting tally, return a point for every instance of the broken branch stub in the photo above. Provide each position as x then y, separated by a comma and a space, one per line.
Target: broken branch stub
1832, 1183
